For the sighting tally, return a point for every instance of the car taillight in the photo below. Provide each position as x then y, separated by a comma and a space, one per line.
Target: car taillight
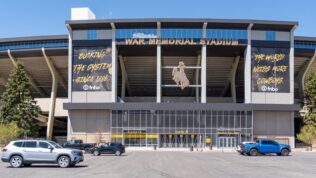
4, 150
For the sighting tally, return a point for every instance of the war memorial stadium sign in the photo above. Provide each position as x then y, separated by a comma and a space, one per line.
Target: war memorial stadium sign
177, 41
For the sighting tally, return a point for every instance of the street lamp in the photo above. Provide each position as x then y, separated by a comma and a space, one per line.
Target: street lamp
304, 110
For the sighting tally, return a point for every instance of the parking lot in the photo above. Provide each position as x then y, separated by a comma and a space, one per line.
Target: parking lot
176, 164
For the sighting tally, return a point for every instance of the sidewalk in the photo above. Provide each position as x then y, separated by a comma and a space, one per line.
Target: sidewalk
179, 149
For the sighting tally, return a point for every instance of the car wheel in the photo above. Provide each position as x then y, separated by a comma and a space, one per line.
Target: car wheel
96, 153
117, 153
253, 152
27, 164
63, 161
16, 161
87, 150
285, 152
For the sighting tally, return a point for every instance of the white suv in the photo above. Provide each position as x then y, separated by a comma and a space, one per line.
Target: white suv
25, 152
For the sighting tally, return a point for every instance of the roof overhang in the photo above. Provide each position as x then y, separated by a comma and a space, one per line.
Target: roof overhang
182, 106
184, 23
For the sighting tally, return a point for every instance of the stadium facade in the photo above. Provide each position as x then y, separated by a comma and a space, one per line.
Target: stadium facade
167, 82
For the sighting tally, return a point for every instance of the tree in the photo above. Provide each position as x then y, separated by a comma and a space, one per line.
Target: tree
17, 104
9, 132
307, 134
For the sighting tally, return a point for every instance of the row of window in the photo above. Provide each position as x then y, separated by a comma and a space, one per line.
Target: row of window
181, 33
29, 45
305, 45
33, 144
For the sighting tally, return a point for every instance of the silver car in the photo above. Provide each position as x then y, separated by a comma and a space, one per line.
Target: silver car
25, 152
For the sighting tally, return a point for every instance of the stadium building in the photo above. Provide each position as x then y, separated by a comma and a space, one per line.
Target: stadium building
166, 82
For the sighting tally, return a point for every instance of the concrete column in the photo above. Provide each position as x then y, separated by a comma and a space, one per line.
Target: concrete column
69, 79
158, 87
51, 115
203, 67
114, 65
292, 66
123, 78
232, 80
197, 74
247, 70
203, 75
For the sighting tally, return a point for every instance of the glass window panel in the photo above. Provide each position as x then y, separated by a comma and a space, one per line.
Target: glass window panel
231, 119
220, 120
243, 119
208, 119
214, 119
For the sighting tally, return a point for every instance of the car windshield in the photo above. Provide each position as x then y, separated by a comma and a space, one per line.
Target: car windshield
56, 145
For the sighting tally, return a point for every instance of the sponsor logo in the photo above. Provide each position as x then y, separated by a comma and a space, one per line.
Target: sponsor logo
268, 88
90, 87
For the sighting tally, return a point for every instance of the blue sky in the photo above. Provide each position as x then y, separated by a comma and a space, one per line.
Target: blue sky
47, 17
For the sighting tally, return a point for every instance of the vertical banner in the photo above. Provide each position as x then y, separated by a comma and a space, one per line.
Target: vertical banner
92, 69
270, 70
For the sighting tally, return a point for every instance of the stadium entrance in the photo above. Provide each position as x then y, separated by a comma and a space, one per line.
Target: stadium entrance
181, 129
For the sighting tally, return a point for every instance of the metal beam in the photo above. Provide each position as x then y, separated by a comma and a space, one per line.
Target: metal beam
43, 122
197, 75
33, 83
187, 67
125, 82
51, 115
178, 86
231, 79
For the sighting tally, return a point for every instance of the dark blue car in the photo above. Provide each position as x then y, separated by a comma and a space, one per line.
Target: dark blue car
265, 146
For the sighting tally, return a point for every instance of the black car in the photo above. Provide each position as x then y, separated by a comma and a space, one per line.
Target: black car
108, 148
78, 144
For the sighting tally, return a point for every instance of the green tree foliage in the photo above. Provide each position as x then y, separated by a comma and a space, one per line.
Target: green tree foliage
17, 104
307, 134
310, 91
9, 132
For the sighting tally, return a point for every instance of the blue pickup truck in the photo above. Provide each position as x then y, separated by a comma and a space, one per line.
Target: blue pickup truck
264, 146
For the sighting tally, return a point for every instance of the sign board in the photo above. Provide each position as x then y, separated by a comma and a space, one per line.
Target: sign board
92, 69
180, 41
270, 70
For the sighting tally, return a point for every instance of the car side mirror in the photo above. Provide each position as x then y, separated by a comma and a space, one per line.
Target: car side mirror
50, 147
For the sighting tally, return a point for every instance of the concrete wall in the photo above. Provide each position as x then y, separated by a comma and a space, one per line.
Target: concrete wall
271, 98
276, 125
267, 97
44, 104
179, 99
91, 97
89, 124
279, 36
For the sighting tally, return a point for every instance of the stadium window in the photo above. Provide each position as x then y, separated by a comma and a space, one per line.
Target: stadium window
270, 35
92, 34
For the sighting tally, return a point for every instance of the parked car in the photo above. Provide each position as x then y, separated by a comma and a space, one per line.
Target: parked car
26, 152
243, 143
78, 144
108, 148
265, 146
